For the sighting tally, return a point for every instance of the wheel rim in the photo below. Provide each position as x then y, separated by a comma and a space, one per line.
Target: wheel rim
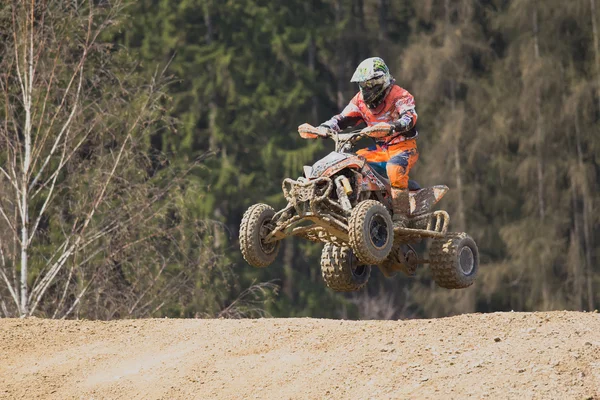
466, 260
411, 256
358, 269
268, 248
378, 231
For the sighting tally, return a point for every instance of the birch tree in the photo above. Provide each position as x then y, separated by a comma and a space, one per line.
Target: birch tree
75, 179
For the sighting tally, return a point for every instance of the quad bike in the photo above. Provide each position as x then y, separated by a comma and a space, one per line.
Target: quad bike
344, 202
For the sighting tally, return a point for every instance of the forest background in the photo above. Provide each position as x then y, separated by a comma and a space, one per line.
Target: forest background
508, 97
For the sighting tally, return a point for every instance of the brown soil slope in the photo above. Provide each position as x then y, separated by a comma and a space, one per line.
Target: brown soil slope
505, 355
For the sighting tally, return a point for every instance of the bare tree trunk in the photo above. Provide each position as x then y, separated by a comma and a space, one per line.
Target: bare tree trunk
596, 49
312, 57
15, 250
447, 14
212, 106
578, 272
457, 136
538, 126
288, 266
539, 141
26, 79
587, 216
458, 169
25, 224
213, 111
340, 58
361, 45
384, 6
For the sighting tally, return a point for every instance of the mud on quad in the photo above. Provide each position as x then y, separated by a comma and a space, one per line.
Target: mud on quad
345, 203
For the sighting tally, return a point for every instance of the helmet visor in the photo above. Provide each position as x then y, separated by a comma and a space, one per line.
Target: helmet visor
372, 88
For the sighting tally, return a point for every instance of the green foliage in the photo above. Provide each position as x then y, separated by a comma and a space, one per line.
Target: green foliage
507, 97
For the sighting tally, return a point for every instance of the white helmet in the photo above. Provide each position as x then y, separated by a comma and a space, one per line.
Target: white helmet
373, 78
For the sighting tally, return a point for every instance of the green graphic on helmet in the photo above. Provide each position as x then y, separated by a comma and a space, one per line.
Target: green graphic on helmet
379, 65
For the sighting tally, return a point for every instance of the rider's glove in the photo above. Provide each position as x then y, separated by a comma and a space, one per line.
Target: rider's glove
404, 125
327, 127
400, 126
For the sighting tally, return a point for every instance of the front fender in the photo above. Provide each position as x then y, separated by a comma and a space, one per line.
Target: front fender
334, 163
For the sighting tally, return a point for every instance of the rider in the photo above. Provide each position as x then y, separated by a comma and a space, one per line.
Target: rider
381, 100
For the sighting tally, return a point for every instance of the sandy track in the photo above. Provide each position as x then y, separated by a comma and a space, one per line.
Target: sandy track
505, 355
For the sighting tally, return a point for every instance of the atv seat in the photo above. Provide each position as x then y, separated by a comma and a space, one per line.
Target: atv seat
413, 185
381, 173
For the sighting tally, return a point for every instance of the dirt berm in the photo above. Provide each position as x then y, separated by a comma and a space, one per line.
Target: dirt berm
505, 355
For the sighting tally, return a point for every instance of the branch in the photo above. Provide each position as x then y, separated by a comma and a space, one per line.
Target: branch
64, 129
10, 179
78, 69
64, 295
134, 305
14, 20
37, 150
159, 295
10, 288
90, 40
10, 225
9, 145
49, 278
78, 299
41, 279
114, 168
46, 201
31, 70
66, 160
5, 278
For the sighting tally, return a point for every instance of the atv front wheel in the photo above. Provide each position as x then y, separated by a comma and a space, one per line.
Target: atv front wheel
454, 261
371, 232
253, 231
341, 270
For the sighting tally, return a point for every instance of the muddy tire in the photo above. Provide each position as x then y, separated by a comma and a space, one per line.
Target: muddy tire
371, 232
454, 261
252, 233
341, 270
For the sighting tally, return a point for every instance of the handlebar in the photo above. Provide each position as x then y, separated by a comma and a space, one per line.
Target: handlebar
343, 139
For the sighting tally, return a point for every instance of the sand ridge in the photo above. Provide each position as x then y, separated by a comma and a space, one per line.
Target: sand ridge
553, 355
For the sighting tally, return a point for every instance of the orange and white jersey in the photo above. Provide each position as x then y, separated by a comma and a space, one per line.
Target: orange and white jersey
398, 108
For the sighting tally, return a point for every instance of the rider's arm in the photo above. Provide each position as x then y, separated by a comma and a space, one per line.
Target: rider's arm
349, 117
407, 115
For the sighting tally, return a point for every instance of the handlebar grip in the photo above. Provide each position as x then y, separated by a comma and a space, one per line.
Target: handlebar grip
308, 131
378, 131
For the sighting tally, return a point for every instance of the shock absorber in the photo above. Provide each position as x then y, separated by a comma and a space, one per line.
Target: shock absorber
343, 189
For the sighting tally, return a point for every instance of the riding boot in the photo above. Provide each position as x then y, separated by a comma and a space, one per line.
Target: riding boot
401, 207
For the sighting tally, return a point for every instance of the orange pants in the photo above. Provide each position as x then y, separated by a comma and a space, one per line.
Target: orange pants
398, 159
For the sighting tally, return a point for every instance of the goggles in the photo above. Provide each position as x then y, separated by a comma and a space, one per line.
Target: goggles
372, 83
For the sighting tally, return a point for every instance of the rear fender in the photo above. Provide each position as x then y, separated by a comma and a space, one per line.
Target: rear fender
422, 201
369, 181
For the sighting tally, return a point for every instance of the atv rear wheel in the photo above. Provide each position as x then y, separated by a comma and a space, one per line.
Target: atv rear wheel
253, 231
454, 261
371, 232
341, 270
402, 258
